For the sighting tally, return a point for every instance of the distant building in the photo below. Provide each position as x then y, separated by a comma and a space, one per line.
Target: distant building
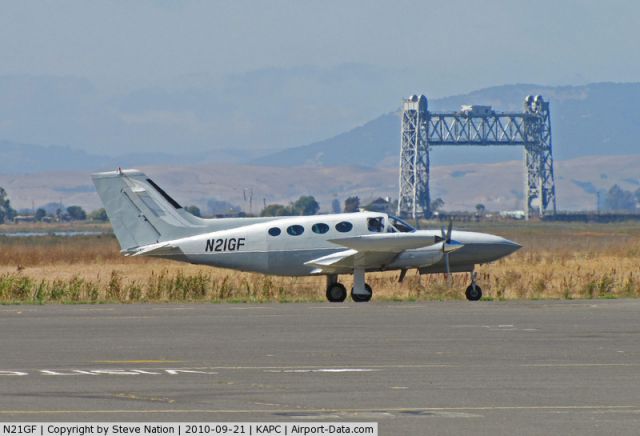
24, 219
513, 214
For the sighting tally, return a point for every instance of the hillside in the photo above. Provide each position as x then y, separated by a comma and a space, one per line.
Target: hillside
30, 159
595, 119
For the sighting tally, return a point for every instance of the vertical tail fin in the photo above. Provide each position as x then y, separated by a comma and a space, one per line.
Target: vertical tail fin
141, 213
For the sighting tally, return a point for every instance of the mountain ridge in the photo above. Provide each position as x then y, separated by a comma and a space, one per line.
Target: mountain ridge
593, 119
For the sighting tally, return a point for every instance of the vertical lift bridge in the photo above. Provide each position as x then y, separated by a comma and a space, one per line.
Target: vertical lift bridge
475, 125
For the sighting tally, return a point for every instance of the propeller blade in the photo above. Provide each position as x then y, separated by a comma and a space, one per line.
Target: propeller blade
447, 268
444, 235
446, 248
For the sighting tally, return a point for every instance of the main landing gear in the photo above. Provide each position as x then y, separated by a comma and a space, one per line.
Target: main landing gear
362, 297
337, 293
362, 292
473, 292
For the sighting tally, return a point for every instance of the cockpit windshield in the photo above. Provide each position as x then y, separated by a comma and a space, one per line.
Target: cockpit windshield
398, 225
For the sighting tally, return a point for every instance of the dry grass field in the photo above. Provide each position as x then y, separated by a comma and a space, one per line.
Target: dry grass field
556, 261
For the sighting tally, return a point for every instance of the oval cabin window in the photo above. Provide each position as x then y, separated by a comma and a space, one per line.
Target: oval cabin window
344, 226
274, 231
320, 228
295, 230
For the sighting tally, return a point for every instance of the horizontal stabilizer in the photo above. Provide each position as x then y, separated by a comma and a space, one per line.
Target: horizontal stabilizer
163, 249
386, 242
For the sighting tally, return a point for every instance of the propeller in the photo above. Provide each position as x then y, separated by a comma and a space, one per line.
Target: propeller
447, 247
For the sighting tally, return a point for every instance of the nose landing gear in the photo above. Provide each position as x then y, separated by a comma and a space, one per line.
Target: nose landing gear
473, 292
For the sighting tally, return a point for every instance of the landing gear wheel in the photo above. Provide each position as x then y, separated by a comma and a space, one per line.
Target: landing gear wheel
336, 293
473, 293
360, 298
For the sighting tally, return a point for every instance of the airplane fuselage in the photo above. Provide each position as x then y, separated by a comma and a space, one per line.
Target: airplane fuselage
283, 246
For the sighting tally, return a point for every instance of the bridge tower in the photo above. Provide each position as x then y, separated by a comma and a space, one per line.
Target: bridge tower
414, 199
540, 187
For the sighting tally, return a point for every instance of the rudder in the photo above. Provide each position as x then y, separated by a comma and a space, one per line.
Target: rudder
141, 213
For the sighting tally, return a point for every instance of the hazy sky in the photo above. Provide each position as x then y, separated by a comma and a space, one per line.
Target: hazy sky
436, 47
459, 45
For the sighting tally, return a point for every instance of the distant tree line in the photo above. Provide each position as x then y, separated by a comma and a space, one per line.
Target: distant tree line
352, 204
57, 212
620, 200
71, 213
305, 205
7, 213
615, 199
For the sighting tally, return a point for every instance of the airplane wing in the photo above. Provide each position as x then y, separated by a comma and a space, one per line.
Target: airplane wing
368, 251
386, 242
344, 261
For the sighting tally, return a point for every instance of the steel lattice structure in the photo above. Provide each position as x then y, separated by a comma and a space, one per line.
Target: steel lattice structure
414, 196
475, 125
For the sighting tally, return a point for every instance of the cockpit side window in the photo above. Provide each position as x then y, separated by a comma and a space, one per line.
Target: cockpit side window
376, 224
398, 225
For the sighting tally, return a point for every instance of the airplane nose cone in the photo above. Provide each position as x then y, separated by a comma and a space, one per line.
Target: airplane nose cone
495, 247
480, 248
509, 247
504, 247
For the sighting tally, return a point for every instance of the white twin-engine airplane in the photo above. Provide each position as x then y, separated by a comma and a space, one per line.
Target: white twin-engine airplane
148, 222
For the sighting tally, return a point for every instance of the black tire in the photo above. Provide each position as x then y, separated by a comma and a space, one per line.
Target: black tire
336, 293
358, 298
473, 293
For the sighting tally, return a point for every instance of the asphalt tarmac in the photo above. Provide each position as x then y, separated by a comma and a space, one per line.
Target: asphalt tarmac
486, 368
